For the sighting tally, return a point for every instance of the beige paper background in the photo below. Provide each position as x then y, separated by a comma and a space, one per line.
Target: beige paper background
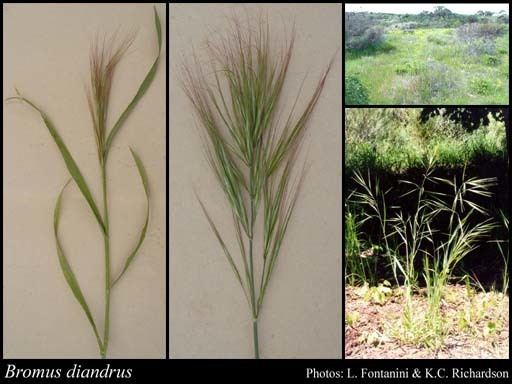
46, 49
301, 317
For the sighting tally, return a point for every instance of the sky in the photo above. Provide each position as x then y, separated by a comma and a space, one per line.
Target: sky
466, 9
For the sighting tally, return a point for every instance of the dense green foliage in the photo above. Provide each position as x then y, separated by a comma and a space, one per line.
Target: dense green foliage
355, 92
396, 140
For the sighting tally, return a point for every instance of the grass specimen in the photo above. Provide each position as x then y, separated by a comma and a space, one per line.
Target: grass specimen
415, 241
237, 97
104, 58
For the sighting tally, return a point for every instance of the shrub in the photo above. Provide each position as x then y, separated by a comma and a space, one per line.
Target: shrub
503, 19
436, 40
480, 38
472, 31
491, 60
481, 47
440, 127
360, 31
436, 81
408, 27
369, 125
481, 86
370, 38
355, 91
408, 68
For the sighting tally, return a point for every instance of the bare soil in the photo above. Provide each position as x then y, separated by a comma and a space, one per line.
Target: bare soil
476, 323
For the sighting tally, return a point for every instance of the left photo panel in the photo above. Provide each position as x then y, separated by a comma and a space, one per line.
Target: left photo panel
84, 195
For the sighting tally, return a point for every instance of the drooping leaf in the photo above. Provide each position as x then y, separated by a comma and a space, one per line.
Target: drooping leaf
68, 272
71, 165
140, 92
142, 236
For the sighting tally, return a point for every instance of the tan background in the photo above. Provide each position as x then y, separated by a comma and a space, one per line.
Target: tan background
46, 51
301, 316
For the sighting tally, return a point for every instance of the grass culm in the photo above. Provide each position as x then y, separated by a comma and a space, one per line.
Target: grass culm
104, 58
427, 243
237, 96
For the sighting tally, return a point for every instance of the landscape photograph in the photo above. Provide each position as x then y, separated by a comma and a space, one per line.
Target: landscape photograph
426, 54
426, 232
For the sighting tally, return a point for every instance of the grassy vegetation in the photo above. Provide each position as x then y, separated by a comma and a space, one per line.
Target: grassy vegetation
418, 228
464, 65
395, 140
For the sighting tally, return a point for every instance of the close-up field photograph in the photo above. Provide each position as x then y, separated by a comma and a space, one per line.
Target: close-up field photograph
426, 257
426, 54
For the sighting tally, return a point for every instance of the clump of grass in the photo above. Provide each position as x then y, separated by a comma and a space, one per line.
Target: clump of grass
104, 58
503, 248
415, 241
361, 259
250, 150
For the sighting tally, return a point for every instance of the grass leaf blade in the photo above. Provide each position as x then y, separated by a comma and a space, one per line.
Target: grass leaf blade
224, 247
142, 236
68, 272
68, 160
141, 91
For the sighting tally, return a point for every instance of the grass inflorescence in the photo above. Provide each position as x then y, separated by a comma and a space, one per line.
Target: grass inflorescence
237, 98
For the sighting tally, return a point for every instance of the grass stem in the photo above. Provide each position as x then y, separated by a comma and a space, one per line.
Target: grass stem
106, 240
255, 335
251, 267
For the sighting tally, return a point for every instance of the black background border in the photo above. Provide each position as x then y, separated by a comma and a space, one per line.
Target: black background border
236, 370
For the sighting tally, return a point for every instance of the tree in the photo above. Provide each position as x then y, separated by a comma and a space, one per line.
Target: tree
440, 11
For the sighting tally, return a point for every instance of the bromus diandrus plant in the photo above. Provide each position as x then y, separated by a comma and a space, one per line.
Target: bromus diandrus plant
432, 240
361, 259
104, 58
237, 97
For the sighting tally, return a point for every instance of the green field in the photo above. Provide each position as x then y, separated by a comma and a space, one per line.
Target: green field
432, 66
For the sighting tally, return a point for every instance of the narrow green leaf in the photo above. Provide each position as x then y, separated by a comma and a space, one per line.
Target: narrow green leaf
68, 272
144, 180
68, 160
224, 247
141, 91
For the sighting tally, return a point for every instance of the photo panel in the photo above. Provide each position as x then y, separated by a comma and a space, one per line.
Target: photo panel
84, 181
426, 54
255, 147
426, 233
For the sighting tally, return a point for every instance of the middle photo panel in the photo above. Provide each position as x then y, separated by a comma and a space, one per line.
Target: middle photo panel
255, 181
